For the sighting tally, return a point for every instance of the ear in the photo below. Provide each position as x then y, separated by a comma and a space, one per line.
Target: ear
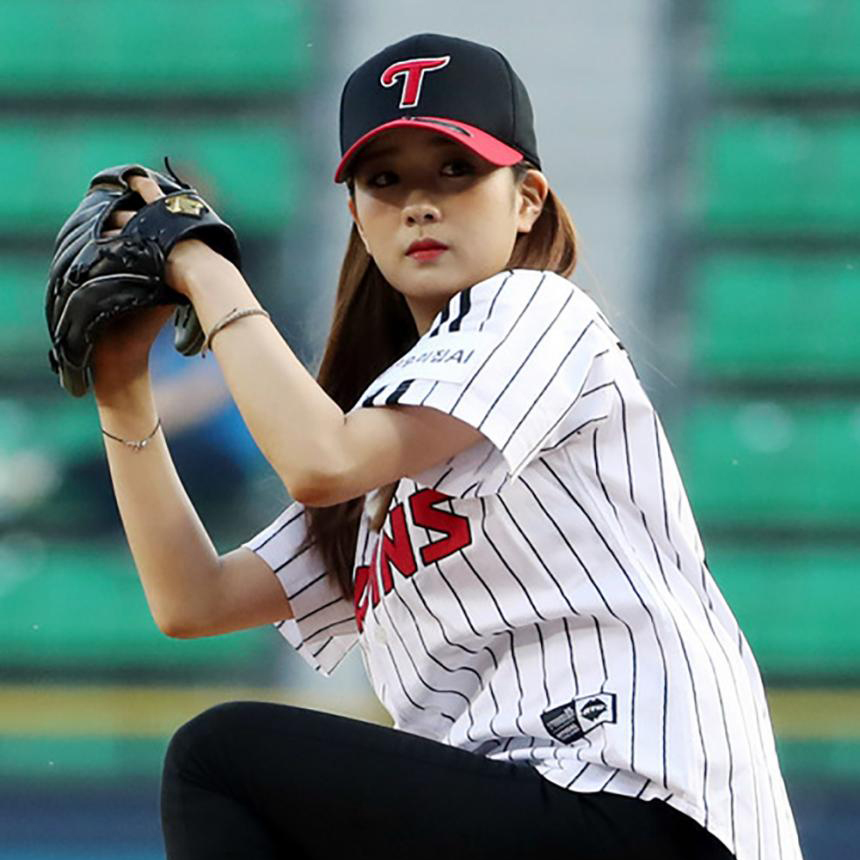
531, 194
354, 212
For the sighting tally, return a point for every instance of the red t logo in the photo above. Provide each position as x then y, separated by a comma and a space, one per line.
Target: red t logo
413, 73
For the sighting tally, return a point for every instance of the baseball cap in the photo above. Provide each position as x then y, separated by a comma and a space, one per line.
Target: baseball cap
457, 88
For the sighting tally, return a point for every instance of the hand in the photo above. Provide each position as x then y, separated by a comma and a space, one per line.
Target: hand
185, 256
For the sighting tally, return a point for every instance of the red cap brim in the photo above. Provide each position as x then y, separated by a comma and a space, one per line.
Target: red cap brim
478, 141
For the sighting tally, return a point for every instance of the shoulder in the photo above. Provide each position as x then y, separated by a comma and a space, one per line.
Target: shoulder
514, 296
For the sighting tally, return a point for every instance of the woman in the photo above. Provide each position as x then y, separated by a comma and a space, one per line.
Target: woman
485, 502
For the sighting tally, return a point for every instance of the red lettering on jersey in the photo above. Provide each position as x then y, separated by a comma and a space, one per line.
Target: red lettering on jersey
374, 580
396, 551
362, 575
412, 71
456, 528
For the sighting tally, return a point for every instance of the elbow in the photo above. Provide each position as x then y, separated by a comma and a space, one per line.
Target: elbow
313, 491
317, 488
176, 629
325, 478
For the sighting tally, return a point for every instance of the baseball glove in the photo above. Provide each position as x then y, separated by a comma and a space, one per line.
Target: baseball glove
94, 278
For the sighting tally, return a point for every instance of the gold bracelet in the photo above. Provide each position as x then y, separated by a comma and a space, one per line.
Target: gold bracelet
137, 444
234, 315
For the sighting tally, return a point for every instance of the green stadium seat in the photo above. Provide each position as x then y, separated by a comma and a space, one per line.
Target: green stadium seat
60, 427
82, 606
750, 464
24, 341
817, 761
778, 177
41, 439
775, 317
48, 760
175, 50
798, 605
248, 169
786, 46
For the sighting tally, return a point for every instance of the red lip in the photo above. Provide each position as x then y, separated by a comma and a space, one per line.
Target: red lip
425, 245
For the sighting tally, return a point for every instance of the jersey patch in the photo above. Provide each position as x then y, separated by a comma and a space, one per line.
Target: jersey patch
570, 722
451, 356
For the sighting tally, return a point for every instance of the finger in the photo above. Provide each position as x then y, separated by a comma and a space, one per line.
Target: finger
146, 187
119, 218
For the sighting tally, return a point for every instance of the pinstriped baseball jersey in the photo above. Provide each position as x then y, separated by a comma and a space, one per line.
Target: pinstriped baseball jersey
544, 596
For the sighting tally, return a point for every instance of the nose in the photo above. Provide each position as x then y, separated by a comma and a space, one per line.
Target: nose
421, 212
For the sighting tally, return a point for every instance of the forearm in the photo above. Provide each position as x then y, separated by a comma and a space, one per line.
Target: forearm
174, 555
294, 422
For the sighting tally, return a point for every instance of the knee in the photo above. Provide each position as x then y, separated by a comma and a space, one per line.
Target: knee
196, 741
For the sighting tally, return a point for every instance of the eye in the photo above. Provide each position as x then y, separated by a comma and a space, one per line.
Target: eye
458, 167
382, 179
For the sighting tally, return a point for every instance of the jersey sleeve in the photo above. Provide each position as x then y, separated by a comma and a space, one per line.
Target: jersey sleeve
511, 356
323, 628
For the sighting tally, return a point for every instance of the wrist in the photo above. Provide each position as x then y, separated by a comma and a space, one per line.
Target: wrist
190, 263
124, 390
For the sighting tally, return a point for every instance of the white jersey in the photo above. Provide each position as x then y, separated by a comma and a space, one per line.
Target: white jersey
543, 596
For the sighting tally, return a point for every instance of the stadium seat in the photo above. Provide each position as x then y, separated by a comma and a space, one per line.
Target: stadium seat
786, 46
778, 177
58, 426
82, 606
780, 318
24, 341
248, 169
769, 463
783, 598
45, 760
195, 48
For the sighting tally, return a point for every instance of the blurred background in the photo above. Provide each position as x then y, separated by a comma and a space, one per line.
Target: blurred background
709, 152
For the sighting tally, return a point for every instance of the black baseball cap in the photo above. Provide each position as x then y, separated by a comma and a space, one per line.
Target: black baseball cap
460, 89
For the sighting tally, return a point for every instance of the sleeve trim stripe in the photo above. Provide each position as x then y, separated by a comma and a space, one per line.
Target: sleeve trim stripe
368, 401
445, 311
465, 307
398, 392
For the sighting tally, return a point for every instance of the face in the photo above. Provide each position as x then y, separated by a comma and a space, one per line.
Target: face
412, 185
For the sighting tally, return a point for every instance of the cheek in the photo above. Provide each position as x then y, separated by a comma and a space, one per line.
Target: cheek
498, 223
375, 218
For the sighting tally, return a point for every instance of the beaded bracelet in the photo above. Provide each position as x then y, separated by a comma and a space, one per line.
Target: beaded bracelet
232, 316
137, 444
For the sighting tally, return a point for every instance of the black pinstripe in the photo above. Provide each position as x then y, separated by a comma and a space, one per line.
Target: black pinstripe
523, 363
612, 612
507, 334
501, 558
442, 666
275, 533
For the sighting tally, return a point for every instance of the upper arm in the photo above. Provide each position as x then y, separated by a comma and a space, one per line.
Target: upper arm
508, 365
379, 445
246, 594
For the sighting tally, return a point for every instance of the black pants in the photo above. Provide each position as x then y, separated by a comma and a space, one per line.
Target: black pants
259, 780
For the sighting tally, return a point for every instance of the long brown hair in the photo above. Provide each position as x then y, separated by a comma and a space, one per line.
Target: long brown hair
372, 327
